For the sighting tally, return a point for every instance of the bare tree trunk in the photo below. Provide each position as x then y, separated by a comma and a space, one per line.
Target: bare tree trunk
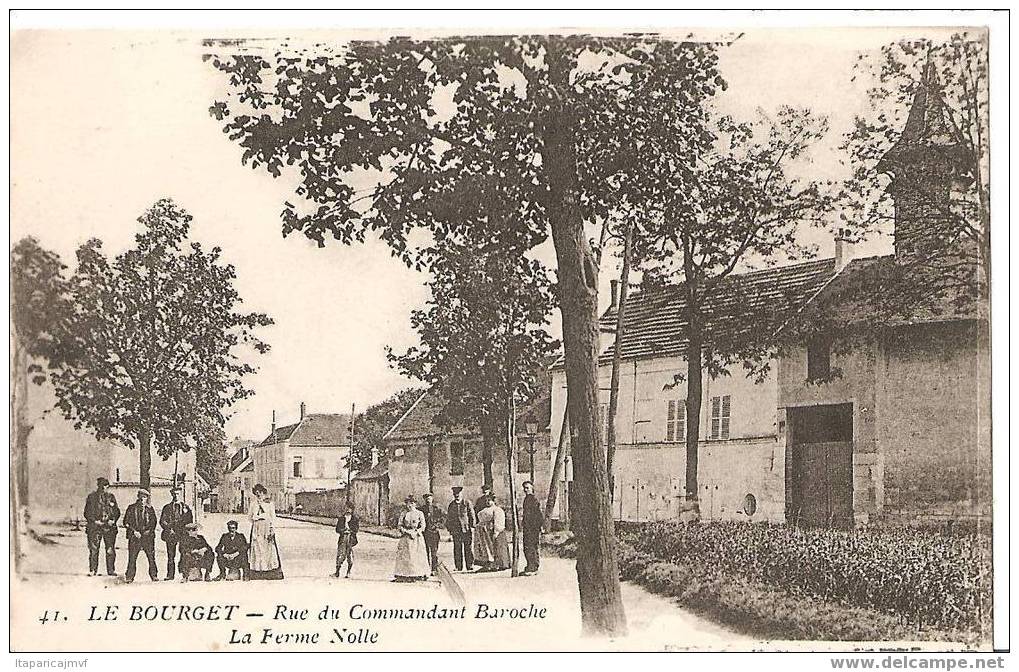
145, 458
601, 605
557, 468
624, 286
694, 383
490, 437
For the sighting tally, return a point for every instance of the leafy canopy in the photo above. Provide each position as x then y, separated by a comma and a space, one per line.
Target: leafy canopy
153, 339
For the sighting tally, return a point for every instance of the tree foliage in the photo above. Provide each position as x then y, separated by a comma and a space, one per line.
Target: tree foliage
38, 300
483, 337
513, 132
371, 426
152, 344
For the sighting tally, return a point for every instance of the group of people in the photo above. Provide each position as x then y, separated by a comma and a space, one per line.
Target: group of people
479, 534
186, 549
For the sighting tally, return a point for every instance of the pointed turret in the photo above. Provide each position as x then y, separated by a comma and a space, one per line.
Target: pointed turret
929, 160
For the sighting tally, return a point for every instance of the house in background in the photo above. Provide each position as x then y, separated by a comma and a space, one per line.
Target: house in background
427, 457
308, 455
740, 468
64, 463
892, 428
238, 478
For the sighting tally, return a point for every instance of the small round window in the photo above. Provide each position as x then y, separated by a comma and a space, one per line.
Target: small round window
749, 504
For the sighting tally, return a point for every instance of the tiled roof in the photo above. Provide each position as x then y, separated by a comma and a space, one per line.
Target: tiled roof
654, 324
867, 291
419, 421
317, 429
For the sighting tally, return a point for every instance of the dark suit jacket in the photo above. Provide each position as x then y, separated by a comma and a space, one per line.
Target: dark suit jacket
232, 544
434, 518
96, 514
172, 524
353, 527
460, 519
140, 519
533, 518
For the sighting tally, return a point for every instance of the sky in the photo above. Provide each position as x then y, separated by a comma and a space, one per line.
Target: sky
105, 123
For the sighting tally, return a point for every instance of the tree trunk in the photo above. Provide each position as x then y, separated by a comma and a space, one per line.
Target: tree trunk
20, 429
491, 436
691, 506
145, 458
601, 605
557, 468
624, 285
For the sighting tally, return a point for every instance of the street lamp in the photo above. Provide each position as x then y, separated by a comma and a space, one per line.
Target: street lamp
531, 427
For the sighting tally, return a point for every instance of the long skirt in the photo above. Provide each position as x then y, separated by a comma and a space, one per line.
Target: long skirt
412, 558
484, 545
264, 554
502, 550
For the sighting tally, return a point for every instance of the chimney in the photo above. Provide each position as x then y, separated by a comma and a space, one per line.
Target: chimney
614, 293
273, 430
843, 250
302, 410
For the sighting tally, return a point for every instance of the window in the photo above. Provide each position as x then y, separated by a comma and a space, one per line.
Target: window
456, 458
819, 359
720, 408
298, 467
675, 425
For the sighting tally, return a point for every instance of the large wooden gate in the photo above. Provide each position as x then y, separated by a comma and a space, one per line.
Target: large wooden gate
820, 476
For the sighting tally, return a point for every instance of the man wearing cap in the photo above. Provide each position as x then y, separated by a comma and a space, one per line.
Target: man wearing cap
101, 514
231, 551
433, 521
460, 521
140, 521
195, 552
174, 517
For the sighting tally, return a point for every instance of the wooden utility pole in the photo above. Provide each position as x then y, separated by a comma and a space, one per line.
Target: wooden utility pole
350, 457
511, 466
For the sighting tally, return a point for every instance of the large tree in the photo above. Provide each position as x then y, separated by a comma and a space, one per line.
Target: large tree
924, 138
718, 196
427, 118
482, 338
153, 346
38, 305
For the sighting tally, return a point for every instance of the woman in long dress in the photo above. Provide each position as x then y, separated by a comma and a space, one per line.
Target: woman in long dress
263, 554
485, 535
411, 555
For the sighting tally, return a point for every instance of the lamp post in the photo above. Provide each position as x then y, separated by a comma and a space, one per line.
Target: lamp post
531, 427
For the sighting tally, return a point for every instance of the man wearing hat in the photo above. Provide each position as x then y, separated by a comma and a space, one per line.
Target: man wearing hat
195, 553
460, 521
140, 521
482, 501
101, 514
434, 519
231, 551
173, 519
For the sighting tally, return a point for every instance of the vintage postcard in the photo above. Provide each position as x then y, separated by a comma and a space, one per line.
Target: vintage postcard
670, 338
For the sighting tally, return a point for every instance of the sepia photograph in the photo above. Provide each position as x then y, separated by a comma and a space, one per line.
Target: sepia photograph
658, 334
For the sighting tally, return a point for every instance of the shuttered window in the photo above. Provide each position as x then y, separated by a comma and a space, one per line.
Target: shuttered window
721, 408
675, 425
